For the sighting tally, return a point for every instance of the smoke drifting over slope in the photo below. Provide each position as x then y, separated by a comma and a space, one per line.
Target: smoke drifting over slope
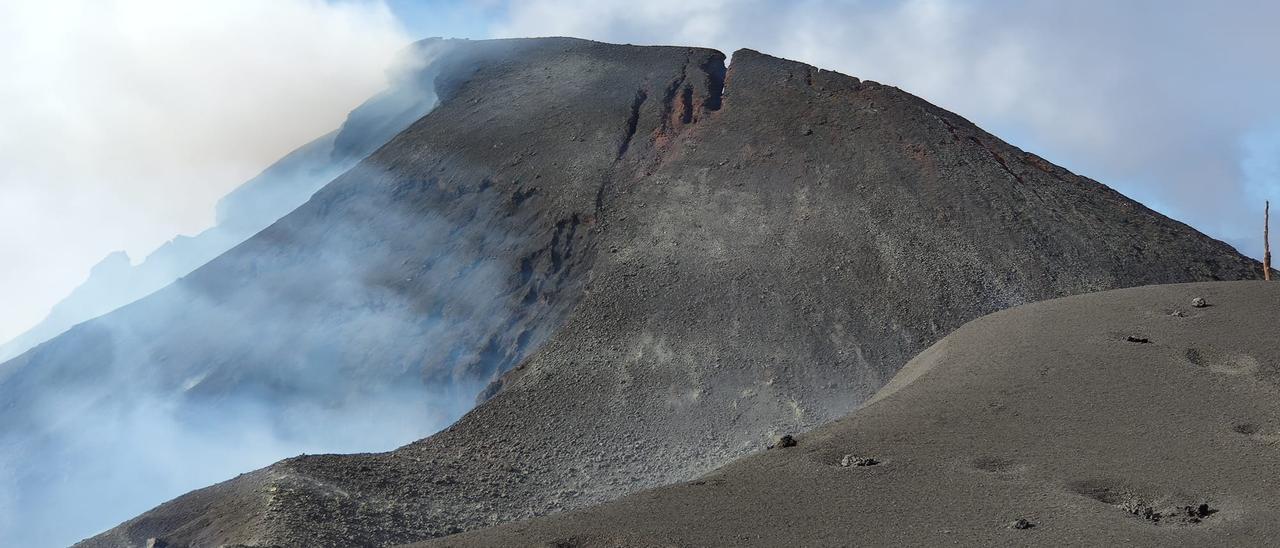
314, 357
122, 123
144, 424
257, 203
369, 317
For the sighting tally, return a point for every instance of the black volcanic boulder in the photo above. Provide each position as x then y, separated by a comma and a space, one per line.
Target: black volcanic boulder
732, 256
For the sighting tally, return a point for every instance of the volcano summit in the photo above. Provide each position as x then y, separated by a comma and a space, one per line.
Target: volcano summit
651, 263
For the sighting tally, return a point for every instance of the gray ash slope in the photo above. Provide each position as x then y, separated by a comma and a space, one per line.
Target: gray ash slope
1043, 425
716, 258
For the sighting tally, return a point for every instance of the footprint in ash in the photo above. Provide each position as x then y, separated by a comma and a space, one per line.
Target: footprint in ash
1221, 362
1149, 505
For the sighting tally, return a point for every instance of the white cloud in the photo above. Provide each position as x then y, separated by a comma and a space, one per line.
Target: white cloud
122, 122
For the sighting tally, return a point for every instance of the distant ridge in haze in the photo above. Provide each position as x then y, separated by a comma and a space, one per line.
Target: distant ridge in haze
691, 261
283, 186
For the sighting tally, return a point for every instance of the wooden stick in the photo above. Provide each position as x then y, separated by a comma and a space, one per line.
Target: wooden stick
1266, 243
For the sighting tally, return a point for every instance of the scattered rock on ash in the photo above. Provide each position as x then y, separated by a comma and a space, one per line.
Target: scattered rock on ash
1199, 302
785, 441
853, 460
1021, 523
1195, 514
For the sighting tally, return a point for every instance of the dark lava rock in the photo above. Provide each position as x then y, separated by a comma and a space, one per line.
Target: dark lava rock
1021, 523
852, 460
784, 441
1197, 513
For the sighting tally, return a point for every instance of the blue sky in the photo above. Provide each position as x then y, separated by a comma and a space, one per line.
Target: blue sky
447, 18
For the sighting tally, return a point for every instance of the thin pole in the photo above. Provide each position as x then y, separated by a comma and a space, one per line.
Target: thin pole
1266, 242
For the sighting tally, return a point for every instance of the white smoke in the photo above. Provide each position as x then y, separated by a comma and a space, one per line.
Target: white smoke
122, 122
357, 342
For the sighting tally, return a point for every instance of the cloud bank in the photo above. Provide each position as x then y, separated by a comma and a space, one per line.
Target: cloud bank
123, 122
1171, 103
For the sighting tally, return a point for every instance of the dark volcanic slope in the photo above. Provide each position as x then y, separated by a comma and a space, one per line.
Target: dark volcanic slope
752, 263
1046, 413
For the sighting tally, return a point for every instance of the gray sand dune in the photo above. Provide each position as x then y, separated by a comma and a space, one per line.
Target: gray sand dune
1046, 413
